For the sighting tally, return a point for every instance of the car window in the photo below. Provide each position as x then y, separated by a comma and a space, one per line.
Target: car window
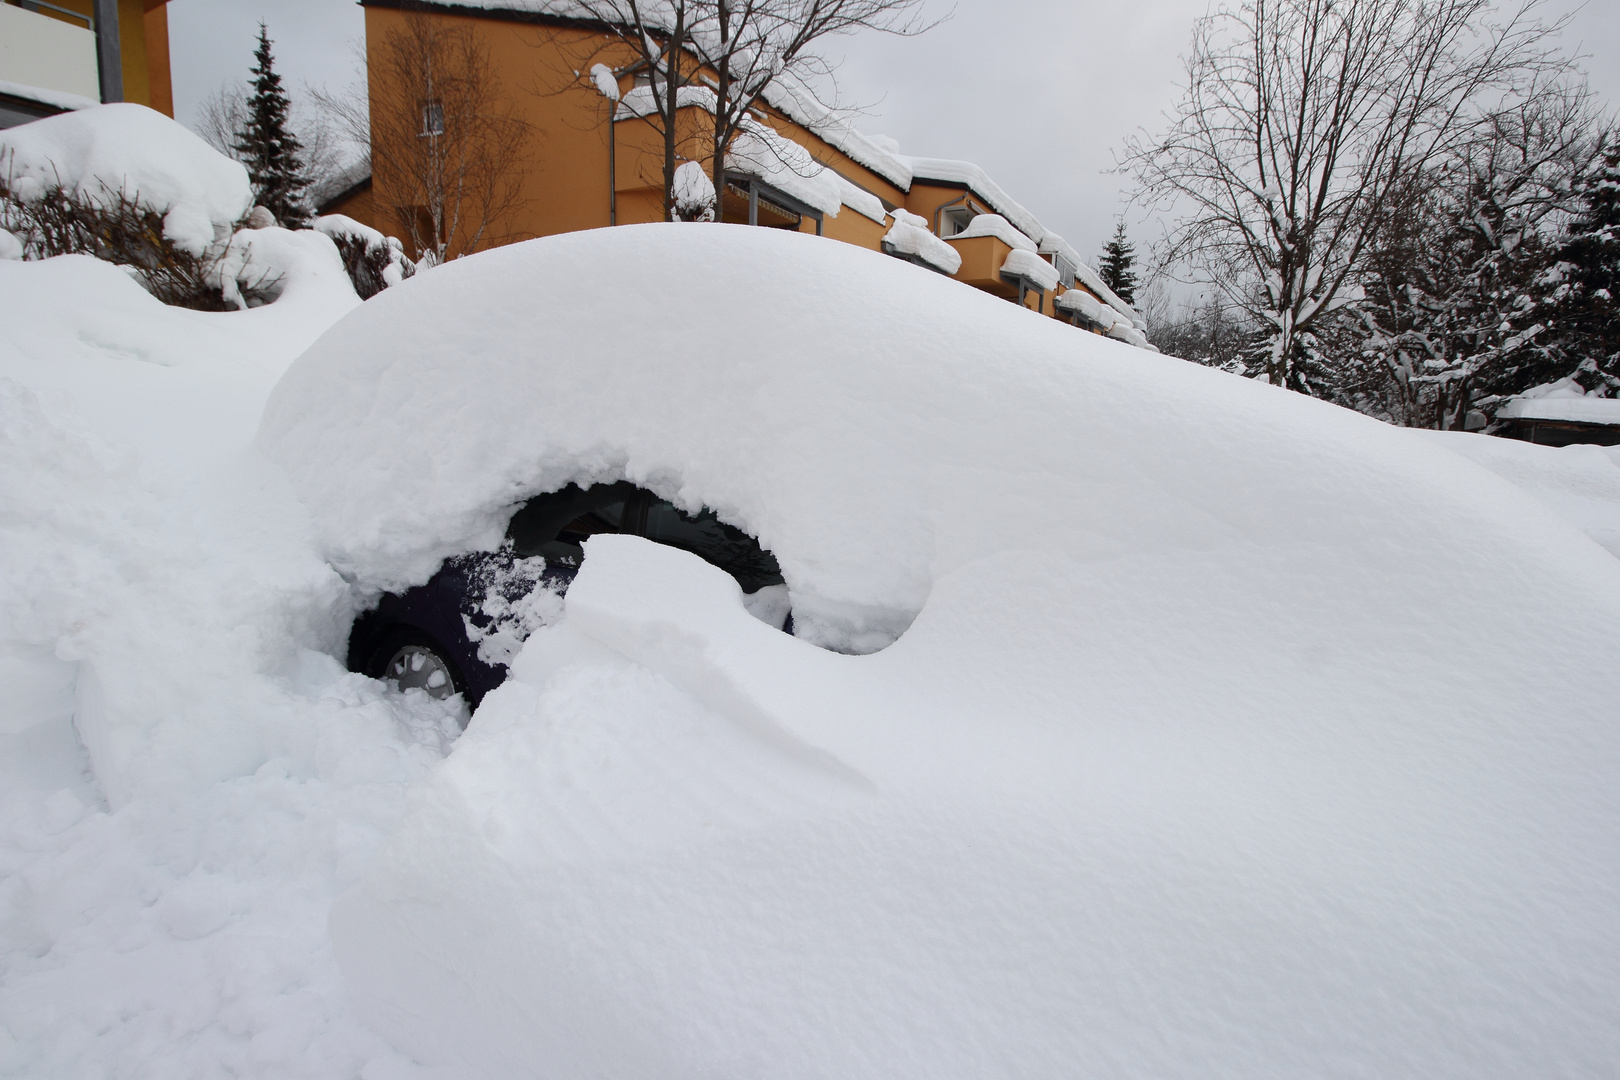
711, 539
555, 525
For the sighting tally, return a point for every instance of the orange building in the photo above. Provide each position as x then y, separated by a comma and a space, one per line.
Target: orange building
67, 54
573, 90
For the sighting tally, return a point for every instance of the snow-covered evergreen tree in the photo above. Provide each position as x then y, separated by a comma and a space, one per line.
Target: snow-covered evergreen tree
266, 145
1591, 269
1119, 255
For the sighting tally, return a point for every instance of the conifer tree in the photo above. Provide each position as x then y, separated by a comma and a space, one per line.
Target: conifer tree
1119, 255
266, 145
1591, 315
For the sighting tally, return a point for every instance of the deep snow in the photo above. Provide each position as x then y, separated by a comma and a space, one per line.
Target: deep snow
1211, 731
1219, 732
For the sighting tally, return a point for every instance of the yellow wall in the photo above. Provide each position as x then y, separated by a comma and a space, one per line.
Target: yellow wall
567, 187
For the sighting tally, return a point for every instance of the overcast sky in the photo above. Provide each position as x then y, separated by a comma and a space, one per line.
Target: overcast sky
1041, 93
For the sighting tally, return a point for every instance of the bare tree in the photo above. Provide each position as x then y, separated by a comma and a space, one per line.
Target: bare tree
447, 146
750, 45
1300, 122
722, 56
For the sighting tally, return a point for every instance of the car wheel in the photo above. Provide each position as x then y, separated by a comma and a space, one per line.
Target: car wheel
412, 660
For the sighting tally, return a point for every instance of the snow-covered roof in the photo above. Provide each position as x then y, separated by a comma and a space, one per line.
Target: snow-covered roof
760, 151
801, 106
1566, 407
56, 99
967, 174
339, 182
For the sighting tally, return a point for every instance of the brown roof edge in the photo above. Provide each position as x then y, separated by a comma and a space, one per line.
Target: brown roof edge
326, 204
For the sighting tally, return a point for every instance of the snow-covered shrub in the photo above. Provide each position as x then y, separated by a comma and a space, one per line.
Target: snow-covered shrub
126, 184
113, 225
372, 260
693, 194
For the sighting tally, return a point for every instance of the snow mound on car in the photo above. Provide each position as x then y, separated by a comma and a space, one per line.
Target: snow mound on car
875, 425
1226, 733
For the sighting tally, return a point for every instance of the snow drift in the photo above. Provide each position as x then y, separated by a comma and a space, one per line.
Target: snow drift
1219, 732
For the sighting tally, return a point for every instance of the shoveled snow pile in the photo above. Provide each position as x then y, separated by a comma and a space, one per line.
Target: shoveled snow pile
1218, 732
106, 150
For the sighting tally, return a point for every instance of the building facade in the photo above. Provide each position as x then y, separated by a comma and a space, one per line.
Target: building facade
571, 91
68, 54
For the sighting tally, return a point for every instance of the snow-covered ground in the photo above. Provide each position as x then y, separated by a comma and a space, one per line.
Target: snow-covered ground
1179, 726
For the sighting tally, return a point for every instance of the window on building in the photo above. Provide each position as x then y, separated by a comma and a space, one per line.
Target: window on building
433, 118
954, 219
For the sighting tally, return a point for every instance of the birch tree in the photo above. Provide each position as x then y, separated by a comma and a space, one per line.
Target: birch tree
722, 56
446, 142
1300, 121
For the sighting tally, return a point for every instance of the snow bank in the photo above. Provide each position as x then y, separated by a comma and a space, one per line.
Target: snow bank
185, 780
910, 235
1580, 483
1203, 753
128, 148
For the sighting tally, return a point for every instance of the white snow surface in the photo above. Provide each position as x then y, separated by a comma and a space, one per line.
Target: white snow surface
100, 151
1205, 750
1229, 734
186, 778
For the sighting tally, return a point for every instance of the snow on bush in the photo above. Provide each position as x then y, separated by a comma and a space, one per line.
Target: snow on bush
99, 154
1229, 734
694, 193
259, 266
373, 261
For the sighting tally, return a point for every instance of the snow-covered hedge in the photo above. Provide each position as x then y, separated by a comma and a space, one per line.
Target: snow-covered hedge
125, 152
373, 261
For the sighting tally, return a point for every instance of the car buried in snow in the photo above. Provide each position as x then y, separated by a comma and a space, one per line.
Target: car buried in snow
456, 633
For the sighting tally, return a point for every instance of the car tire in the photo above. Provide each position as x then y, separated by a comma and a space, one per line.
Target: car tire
410, 658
